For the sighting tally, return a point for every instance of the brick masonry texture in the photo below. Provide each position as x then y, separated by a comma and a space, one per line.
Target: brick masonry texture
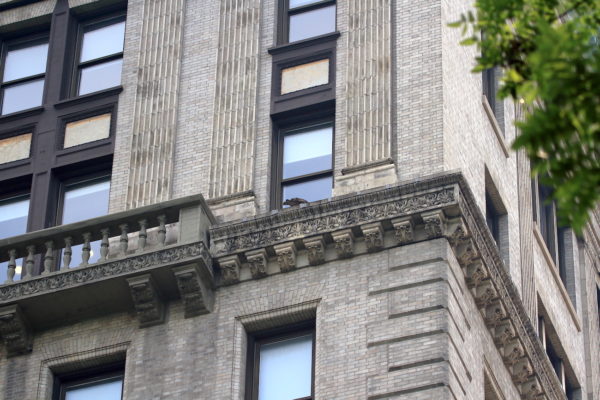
401, 323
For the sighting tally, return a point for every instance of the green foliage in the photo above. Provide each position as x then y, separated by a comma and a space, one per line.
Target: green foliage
549, 51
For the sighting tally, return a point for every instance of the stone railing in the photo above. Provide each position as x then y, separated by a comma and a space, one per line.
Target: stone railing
159, 251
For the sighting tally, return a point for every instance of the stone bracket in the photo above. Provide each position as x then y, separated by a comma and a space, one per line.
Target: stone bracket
316, 250
373, 236
435, 223
344, 243
257, 262
286, 256
403, 230
197, 296
15, 331
230, 269
148, 304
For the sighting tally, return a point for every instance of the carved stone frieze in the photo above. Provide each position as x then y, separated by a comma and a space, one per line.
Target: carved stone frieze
14, 330
344, 243
286, 256
373, 234
315, 246
257, 262
403, 230
230, 270
435, 222
332, 216
147, 302
93, 272
196, 294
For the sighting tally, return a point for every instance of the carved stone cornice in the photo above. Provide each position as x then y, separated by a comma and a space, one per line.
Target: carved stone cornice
286, 256
94, 272
14, 330
148, 304
344, 243
196, 293
257, 262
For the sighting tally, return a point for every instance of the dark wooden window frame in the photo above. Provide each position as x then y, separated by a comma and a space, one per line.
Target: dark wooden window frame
83, 27
285, 13
255, 340
50, 164
87, 377
304, 121
21, 43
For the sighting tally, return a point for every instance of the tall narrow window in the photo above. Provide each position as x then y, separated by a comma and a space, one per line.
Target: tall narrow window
23, 75
81, 201
490, 87
308, 18
101, 56
13, 222
283, 367
306, 164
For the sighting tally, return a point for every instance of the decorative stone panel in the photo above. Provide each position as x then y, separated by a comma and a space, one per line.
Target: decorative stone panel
15, 331
196, 294
146, 300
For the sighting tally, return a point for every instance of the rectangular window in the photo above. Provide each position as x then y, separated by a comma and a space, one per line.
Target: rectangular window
306, 164
15, 148
281, 367
490, 87
13, 222
304, 19
81, 201
492, 218
106, 386
87, 130
23, 75
100, 56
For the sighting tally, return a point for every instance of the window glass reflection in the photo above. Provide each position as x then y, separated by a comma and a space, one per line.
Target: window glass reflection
102, 42
307, 152
13, 221
285, 371
100, 77
21, 63
313, 190
300, 3
312, 23
22, 96
110, 390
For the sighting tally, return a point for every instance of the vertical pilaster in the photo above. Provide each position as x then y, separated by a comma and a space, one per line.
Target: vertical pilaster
155, 123
234, 128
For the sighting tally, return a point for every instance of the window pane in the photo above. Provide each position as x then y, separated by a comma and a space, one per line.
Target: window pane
307, 152
317, 189
101, 76
299, 3
87, 130
81, 202
23, 96
304, 76
25, 62
15, 148
103, 42
285, 371
13, 221
98, 391
312, 23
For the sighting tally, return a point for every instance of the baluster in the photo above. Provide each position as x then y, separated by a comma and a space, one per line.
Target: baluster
29, 262
124, 239
162, 229
67, 253
104, 245
142, 235
48, 257
12, 265
85, 253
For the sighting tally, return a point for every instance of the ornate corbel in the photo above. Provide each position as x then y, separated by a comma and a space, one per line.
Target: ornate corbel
197, 296
503, 333
230, 269
476, 273
315, 246
466, 253
286, 256
257, 262
146, 300
435, 222
15, 331
495, 314
513, 352
485, 294
344, 243
522, 371
373, 234
458, 232
532, 389
403, 230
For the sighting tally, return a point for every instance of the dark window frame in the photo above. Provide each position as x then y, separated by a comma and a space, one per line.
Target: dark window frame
490, 87
255, 340
85, 114
16, 44
83, 27
87, 377
283, 26
77, 181
281, 130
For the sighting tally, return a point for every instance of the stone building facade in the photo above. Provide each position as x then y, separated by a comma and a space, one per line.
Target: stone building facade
431, 268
